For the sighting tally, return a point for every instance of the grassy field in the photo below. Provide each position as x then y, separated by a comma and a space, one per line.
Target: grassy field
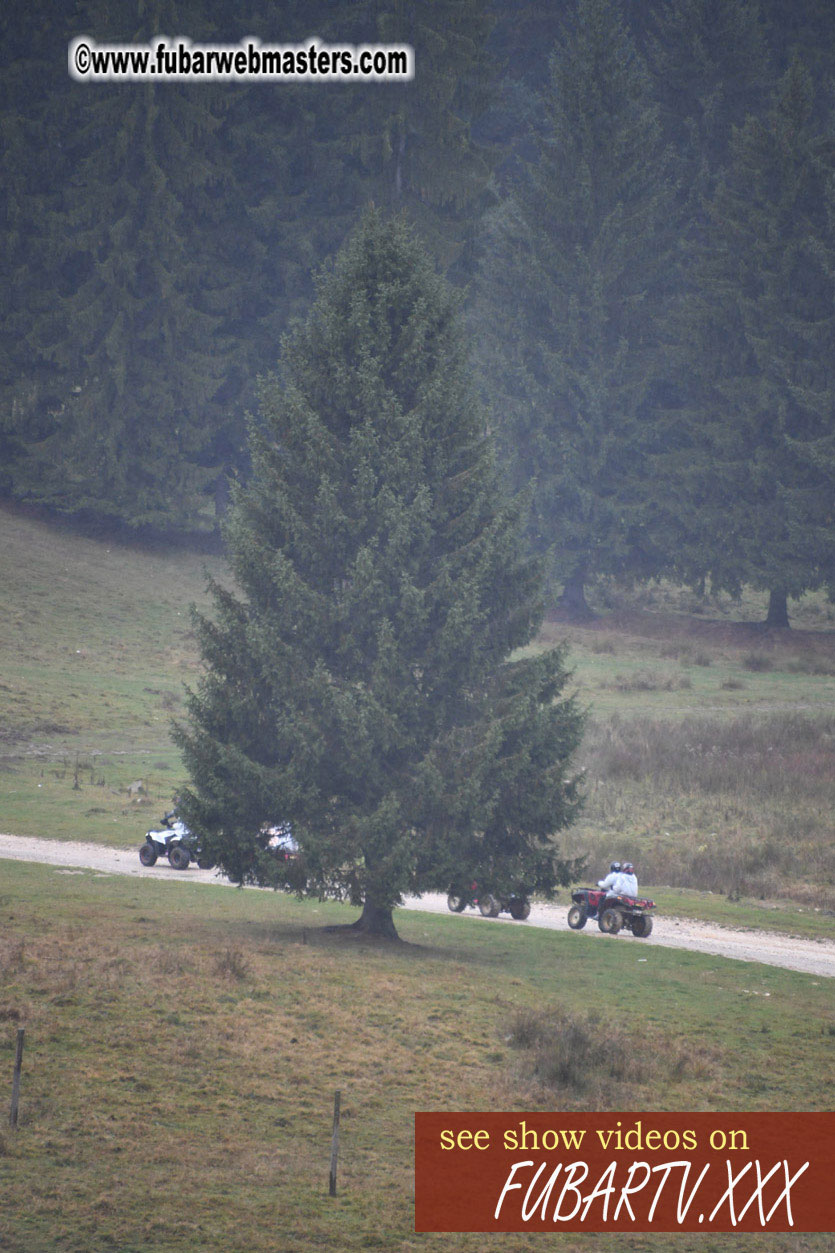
183, 1042
183, 1045
709, 756
95, 648
710, 752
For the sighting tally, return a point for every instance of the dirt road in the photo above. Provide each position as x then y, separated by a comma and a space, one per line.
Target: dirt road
815, 957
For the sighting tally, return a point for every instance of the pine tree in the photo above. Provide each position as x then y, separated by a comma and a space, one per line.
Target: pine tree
411, 144
160, 238
573, 288
363, 689
760, 477
709, 63
316, 155
134, 331
710, 68
32, 104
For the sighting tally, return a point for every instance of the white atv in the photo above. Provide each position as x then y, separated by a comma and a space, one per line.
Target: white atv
174, 841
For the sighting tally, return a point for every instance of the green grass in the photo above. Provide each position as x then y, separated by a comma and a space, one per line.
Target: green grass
710, 750
183, 1044
95, 649
96, 646
783, 916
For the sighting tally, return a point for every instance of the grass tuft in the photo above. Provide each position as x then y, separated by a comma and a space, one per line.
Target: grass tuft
232, 964
588, 1054
651, 681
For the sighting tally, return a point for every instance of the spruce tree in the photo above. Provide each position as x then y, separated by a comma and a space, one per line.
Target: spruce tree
34, 167
134, 330
758, 483
573, 289
316, 154
710, 68
709, 64
361, 683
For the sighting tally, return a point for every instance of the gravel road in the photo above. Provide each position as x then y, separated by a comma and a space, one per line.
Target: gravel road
815, 957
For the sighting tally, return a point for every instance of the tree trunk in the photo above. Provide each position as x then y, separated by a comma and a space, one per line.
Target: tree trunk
778, 610
573, 599
376, 920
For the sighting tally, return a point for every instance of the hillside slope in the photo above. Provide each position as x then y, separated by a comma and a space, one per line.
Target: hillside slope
709, 757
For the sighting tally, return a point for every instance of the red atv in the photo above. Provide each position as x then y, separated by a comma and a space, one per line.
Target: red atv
612, 912
489, 905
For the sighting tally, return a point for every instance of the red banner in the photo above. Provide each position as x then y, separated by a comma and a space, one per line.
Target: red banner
625, 1172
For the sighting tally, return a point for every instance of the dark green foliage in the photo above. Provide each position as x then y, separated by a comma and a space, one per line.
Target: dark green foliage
412, 144
159, 238
318, 155
758, 476
31, 105
138, 349
709, 63
362, 689
574, 284
127, 345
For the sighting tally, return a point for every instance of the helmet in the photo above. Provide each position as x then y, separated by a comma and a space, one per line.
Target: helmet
628, 868
615, 867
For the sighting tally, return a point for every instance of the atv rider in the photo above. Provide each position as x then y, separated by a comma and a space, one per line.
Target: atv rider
611, 878
627, 884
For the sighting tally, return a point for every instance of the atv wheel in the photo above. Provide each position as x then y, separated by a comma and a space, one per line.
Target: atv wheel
205, 863
178, 857
455, 902
611, 921
641, 926
489, 906
147, 854
519, 908
577, 917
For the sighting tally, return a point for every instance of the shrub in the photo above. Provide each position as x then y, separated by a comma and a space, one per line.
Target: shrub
590, 1055
575, 1051
650, 681
232, 964
811, 663
757, 662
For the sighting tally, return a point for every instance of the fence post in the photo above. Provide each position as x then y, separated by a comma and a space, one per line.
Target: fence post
18, 1063
334, 1143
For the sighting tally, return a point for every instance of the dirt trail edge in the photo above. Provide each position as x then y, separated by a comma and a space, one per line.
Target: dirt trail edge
814, 957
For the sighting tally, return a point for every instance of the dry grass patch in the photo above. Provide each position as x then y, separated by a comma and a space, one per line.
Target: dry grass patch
650, 681
574, 1054
232, 964
740, 804
813, 663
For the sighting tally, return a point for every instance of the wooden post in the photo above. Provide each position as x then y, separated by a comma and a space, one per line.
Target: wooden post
334, 1143
18, 1063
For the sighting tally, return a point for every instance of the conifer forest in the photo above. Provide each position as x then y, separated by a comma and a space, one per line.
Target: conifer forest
634, 202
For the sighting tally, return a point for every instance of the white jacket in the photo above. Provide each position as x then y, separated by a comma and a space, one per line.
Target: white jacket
625, 884
609, 881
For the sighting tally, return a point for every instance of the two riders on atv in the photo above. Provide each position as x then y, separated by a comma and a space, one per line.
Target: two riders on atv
614, 903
